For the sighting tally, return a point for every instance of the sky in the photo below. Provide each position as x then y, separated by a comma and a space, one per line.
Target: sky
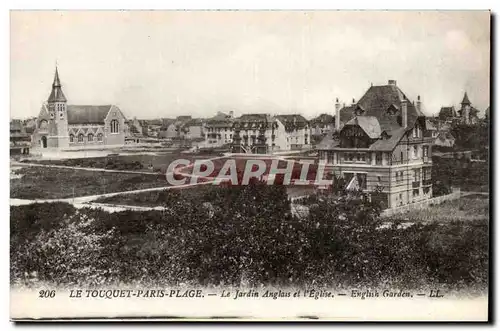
162, 64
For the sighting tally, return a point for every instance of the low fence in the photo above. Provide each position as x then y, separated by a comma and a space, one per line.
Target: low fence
424, 203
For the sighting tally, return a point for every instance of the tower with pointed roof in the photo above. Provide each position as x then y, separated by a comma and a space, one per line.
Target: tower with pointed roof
465, 109
58, 123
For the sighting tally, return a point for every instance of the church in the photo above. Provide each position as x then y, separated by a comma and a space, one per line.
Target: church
62, 126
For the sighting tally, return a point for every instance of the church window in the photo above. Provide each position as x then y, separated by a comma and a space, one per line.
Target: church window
80, 138
71, 138
90, 137
114, 126
99, 137
43, 124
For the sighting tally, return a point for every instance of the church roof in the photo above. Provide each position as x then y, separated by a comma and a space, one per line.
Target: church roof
56, 95
87, 114
465, 100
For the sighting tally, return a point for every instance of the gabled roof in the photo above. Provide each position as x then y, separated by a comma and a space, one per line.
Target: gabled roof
445, 112
390, 143
322, 120
16, 125
376, 101
292, 122
254, 118
369, 124
87, 114
445, 136
328, 142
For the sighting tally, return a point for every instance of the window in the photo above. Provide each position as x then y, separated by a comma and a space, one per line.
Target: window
90, 137
414, 152
114, 126
71, 138
416, 175
80, 138
379, 179
415, 192
426, 151
330, 157
402, 157
361, 181
99, 137
61, 114
378, 158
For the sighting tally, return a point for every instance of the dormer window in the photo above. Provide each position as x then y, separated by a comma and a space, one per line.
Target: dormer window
359, 110
392, 110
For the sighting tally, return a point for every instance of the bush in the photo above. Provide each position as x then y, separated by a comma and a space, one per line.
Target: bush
247, 236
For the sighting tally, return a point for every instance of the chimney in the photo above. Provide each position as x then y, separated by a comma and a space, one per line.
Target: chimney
337, 114
353, 101
404, 113
392, 82
419, 104
231, 114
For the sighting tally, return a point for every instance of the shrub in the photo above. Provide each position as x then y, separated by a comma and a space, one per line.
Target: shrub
247, 236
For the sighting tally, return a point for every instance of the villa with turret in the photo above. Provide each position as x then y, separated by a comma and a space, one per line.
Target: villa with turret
381, 143
61, 126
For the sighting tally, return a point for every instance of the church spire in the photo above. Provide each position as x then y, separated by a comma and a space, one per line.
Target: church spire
465, 100
57, 94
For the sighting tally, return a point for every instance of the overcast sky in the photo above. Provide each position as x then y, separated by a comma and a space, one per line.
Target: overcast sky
165, 64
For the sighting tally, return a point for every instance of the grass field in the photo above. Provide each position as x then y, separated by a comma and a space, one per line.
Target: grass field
155, 162
55, 183
464, 209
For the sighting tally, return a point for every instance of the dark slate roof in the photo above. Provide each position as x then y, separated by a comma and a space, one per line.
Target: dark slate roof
323, 120
87, 114
369, 124
292, 122
328, 142
390, 143
184, 118
430, 124
16, 125
376, 101
56, 95
254, 118
445, 135
447, 112
465, 100
194, 122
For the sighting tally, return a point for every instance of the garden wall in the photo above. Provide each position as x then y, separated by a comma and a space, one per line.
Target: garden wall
421, 204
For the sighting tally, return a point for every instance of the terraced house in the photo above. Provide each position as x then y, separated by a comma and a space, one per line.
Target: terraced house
61, 126
297, 131
219, 130
382, 143
263, 133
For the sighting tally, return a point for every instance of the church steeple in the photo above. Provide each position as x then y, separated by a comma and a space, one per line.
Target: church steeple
465, 100
57, 94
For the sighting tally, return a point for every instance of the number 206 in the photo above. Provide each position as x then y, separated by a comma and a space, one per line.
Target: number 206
46, 294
